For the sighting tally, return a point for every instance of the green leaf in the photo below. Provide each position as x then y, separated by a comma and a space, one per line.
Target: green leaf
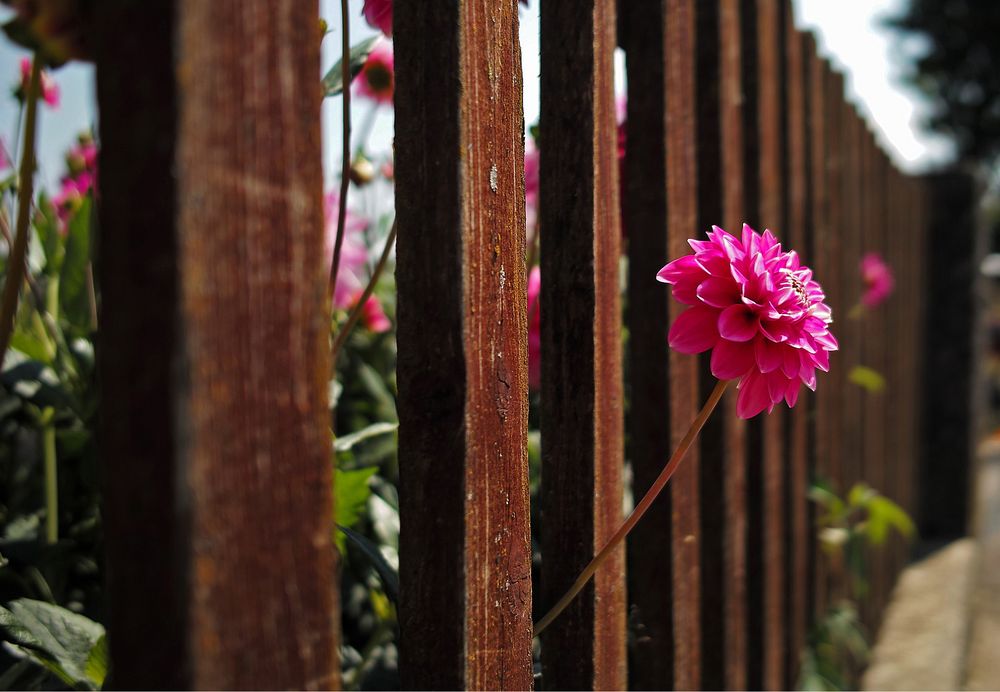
350, 495
389, 577
884, 514
74, 299
67, 644
867, 378
860, 495
345, 442
333, 82
47, 228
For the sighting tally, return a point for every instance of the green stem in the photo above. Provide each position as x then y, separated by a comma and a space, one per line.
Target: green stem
639, 510
359, 306
16, 259
345, 178
51, 477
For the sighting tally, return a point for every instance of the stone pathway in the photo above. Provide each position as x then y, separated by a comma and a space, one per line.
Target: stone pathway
942, 628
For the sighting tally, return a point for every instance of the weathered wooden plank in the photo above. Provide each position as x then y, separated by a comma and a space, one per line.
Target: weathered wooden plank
681, 131
582, 400
465, 594
772, 127
212, 449
820, 238
797, 533
651, 654
734, 211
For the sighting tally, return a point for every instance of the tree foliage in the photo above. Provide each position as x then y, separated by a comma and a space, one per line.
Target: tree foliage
958, 70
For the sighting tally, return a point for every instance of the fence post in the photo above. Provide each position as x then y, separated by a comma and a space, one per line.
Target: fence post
465, 556
798, 539
582, 400
734, 212
213, 357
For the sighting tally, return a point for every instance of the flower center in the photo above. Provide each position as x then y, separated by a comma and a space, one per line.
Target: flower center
796, 284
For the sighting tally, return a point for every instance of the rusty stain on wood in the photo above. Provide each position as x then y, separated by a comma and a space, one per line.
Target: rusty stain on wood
582, 399
465, 598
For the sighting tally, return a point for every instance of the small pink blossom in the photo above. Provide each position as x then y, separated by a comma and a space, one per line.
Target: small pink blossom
4, 161
374, 316
376, 80
878, 279
531, 164
534, 329
49, 88
759, 311
378, 14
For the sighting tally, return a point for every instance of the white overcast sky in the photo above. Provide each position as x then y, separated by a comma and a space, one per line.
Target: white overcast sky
848, 32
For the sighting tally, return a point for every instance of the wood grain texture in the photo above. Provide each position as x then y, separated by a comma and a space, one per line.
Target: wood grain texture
680, 129
798, 539
582, 420
465, 592
772, 127
651, 654
214, 357
734, 212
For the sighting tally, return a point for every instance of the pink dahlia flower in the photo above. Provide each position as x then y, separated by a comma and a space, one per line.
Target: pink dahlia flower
376, 80
378, 14
49, 88
352, 272
534, 329
760, 312
878, 279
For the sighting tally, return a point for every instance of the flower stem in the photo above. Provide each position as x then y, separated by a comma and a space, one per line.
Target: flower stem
16, 258
359, 306
51, 477
345, 178
639, 510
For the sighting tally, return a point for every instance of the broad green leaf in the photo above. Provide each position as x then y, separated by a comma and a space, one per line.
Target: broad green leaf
350, 495
47, 228
60, 640
74, 299
389, 576
860, 496
884, 514
345, 442
333, 82
868, 378
30, 344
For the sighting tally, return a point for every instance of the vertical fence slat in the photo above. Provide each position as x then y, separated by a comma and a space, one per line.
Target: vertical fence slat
798, 541
213, 347
680, 60
582, 400
465, 600
734, 211
651, 655
771, 214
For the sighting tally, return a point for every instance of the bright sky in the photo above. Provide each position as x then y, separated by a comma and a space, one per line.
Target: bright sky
848, 30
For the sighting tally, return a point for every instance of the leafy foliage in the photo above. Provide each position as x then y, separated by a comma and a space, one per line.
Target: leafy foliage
957, 69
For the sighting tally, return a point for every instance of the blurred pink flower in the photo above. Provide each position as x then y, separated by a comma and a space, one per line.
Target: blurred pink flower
4, 161
378, 14
534, 329
531, 163
760, 312
50, 90
374, 316
376, 79
878, 279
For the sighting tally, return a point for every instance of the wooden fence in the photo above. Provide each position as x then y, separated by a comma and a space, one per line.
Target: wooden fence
218, 479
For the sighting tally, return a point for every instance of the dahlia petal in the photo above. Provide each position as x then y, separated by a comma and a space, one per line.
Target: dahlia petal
719, 293
769, 355
790, 362
680, 267
731, 359
821, 359
695, 330
777, 384
792, 393
685, 291
753, 397
738, 323
826, 340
